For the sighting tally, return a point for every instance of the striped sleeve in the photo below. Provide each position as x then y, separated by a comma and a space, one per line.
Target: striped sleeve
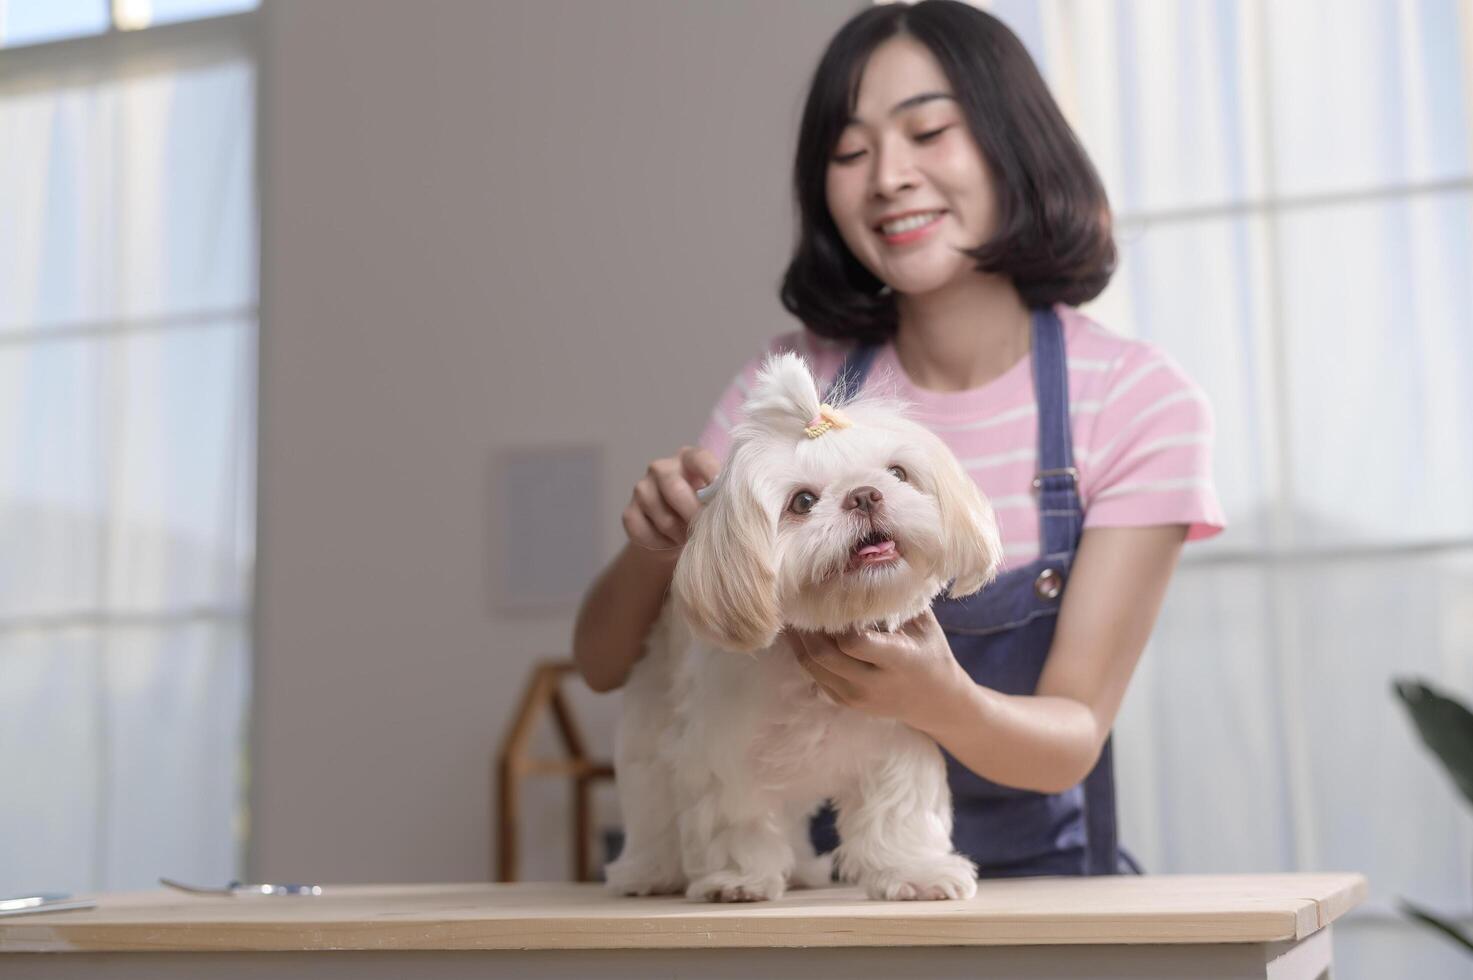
824, 358
1150, 458
727, 412
716, 436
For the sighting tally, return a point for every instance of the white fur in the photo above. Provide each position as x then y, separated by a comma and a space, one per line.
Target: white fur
723, 757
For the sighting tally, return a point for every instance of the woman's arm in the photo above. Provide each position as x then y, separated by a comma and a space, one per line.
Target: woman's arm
1047, 741
624, 602
1050, 741
617, 614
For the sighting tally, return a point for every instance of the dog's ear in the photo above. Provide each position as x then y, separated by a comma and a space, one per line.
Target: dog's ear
973, 545
725, 585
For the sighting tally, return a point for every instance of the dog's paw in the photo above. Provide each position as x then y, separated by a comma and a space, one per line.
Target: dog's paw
626, 877
734, 886
814, 872
951, 877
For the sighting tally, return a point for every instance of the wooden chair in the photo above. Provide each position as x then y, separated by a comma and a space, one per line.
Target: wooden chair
514, 763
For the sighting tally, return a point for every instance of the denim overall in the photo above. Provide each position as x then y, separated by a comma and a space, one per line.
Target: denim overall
1001, 637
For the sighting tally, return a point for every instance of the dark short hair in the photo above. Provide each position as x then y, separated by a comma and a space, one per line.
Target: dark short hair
1054, 238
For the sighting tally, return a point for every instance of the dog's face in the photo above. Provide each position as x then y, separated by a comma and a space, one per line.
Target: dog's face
858, 524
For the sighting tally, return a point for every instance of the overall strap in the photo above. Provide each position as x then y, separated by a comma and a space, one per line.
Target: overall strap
852, 372
1061, 519
1056, 482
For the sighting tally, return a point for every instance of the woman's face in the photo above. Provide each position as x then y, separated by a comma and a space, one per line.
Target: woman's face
908, 151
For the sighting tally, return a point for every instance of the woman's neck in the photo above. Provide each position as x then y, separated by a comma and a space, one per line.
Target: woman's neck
962, 336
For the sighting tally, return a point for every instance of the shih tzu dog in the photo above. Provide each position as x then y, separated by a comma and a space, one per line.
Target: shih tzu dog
822, 519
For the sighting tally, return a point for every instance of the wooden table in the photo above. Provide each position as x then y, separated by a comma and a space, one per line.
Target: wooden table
1238, 926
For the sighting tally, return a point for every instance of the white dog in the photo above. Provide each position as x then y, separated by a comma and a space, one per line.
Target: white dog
822, 519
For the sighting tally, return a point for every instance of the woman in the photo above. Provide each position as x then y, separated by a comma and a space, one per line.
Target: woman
950, 223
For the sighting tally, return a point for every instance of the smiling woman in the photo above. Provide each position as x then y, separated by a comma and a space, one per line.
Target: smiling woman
949, 221
978, 121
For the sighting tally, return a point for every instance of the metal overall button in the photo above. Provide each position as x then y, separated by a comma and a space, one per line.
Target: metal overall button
1049, 584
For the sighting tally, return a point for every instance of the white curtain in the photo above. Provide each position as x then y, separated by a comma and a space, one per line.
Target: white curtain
127, 447
1295, 202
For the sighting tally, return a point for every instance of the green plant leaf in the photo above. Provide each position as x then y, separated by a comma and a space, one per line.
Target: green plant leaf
1446, 928
1445, 725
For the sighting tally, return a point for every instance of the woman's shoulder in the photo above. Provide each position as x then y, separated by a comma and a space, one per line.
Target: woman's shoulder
809, 344
824, 356
1144, 433
1105, 364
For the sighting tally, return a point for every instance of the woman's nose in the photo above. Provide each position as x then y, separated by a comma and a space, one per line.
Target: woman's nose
892, 171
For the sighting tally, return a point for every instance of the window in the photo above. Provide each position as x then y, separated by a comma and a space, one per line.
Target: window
25, 22
128, 320
1292, 186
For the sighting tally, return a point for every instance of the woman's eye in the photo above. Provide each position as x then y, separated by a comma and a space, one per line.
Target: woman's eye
919, 138
898, 472
802, 502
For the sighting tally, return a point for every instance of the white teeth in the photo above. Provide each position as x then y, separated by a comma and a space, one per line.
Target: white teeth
910, 223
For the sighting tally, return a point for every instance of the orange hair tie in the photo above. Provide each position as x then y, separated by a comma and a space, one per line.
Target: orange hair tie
828, 417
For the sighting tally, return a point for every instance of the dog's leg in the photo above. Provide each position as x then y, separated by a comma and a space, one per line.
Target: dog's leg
649, 863
734, 843
895, 826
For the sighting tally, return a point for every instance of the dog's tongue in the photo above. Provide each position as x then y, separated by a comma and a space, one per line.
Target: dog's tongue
883, 548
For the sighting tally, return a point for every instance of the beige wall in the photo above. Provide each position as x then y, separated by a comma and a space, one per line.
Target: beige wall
486, 225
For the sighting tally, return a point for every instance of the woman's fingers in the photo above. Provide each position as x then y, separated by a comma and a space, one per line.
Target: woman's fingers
700, 465
652, 504
924, 625
837, 686
664, 501
642, 532
823, 650
676, 492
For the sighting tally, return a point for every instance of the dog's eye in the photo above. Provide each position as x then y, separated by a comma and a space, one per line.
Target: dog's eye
802, 502
898, 472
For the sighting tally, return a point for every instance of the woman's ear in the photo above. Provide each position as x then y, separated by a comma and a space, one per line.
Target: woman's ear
725, 586
973, 549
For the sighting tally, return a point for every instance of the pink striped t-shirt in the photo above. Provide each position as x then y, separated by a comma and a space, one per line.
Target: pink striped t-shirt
1142, 430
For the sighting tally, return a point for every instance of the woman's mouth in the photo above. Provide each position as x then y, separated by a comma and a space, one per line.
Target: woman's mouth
910, 229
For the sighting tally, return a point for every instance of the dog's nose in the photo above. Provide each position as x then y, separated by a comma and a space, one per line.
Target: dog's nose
865, 499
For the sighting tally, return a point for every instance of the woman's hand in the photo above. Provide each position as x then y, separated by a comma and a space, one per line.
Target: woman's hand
664, 499
909, 675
